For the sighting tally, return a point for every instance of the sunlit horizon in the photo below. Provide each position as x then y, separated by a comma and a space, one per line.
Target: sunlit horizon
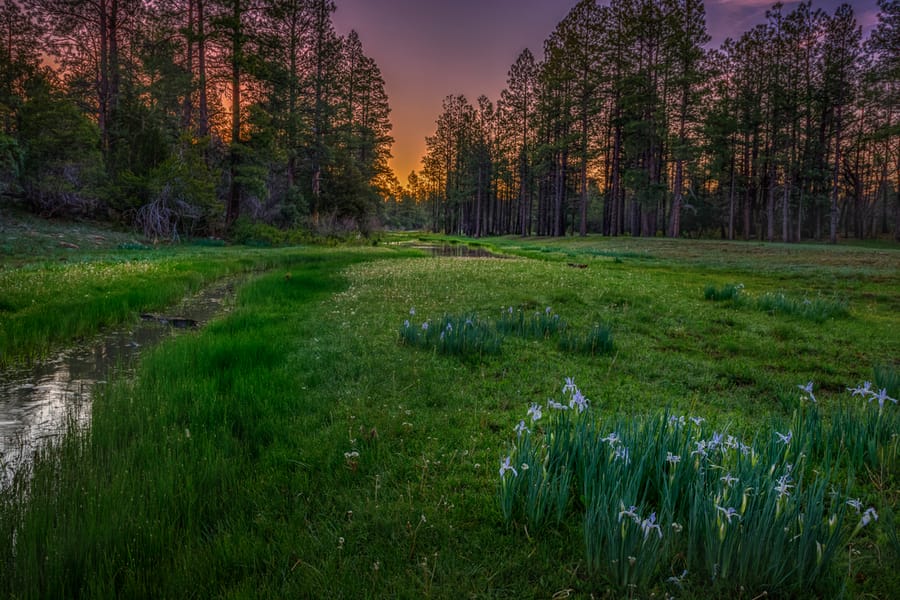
429, 50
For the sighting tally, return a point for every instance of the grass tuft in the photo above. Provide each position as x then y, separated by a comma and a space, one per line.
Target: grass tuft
465, 335
533, 325
729, 291
599, 340
816, 309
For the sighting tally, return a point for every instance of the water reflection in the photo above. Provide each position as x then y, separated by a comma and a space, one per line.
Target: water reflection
457, 250
36, 403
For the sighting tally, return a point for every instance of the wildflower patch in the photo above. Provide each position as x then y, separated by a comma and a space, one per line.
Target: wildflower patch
662, 494
467, 334
817, 309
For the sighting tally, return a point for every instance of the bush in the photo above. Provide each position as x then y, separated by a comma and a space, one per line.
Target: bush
244, 231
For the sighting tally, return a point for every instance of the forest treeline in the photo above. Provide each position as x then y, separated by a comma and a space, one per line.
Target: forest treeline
185, 116
629, 124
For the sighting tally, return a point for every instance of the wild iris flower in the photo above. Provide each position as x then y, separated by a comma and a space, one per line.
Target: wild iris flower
649, 524
505, 466
808, 389
868, 516
701, 448
520, 428
881, 396
784, 486
728, 512
551, 403
863, 390
578, 401
728, 479
630, 513
611, 438
570, 385
622, 453
535, 412
785, 437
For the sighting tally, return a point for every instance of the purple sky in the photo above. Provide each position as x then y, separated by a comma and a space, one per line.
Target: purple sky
428, 49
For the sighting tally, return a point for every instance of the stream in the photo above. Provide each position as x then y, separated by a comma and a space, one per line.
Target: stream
37, 402
457, 251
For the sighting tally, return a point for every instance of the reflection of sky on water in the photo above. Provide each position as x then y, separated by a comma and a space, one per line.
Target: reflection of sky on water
457, 251
37, 403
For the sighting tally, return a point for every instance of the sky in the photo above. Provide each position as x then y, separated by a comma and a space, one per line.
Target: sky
429, 49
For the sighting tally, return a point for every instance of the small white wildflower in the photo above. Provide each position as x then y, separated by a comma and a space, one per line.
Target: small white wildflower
729, 512
868, 516
728, 479
630, 512
808, 388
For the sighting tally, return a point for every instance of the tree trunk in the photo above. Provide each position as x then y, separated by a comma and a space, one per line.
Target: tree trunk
615, 194
786, 210
203, 108
234, 198
731, 201
835, 181
187, 111
103, 80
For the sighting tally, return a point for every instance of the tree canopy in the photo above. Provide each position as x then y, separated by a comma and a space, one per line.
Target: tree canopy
631, 124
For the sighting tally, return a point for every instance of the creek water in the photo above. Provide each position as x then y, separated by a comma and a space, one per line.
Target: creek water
457, 250
38, 402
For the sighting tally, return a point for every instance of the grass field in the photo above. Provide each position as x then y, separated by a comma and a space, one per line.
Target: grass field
298, 448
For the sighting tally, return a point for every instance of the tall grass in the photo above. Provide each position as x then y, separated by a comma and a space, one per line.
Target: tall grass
887, 377
49, 306
176, 467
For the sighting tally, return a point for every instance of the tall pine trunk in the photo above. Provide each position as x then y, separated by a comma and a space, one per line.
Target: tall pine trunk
835, 180
234, 197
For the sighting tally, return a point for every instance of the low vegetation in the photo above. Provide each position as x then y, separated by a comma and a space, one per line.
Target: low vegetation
298, 447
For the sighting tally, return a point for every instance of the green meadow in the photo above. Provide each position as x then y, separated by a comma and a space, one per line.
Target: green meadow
317, 441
